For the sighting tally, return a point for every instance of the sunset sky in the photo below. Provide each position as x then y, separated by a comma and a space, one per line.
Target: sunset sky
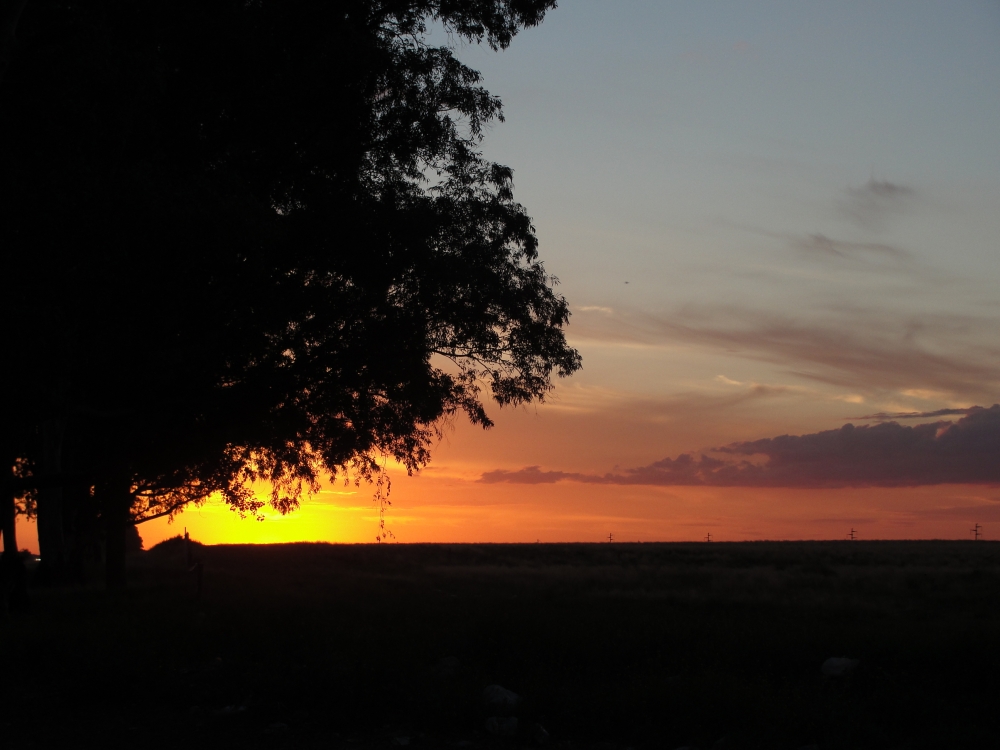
769, 218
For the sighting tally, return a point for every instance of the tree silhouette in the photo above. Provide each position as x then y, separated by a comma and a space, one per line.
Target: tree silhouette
257, 241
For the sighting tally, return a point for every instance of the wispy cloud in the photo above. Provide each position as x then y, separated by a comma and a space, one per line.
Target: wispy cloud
884, 416
821, 245
533, 475
861, 349
727, 381
979, 512
873, 205
882, 455
684, 405
866, 256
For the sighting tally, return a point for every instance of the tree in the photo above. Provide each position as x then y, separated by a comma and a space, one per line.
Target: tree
260, 241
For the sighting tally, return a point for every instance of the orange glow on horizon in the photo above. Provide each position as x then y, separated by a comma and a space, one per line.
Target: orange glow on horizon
446, 503
429, 508
447, 509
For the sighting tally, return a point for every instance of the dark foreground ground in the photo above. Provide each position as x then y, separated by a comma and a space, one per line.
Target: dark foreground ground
611, 646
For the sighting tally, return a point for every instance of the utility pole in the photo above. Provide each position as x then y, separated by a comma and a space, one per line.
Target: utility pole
851, 535
708, 537
611, 537
977, 532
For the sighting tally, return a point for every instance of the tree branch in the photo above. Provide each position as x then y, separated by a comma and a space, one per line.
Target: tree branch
8, 27
163, 513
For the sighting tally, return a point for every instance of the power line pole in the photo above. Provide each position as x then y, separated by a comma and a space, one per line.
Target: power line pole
611, 537
708, 537
851, 535
976, 532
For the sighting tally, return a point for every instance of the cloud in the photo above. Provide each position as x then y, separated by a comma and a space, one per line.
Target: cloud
573, 397
882, 455
530, 475
889, 416
980, 512
872, 205
821, 245
727, 381
864, 350
867, 256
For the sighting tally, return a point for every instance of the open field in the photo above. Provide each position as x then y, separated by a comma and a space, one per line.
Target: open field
613, 645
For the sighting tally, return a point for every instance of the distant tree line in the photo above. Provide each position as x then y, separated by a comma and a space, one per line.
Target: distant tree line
249, 241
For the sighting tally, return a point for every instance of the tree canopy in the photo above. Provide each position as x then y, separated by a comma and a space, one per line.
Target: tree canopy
259, 240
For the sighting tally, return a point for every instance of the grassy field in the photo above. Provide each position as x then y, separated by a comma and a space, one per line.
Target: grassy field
614, 646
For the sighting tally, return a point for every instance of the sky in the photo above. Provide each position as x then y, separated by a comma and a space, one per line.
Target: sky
770, 219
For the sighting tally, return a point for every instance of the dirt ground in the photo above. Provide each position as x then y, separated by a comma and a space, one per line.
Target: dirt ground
717, 645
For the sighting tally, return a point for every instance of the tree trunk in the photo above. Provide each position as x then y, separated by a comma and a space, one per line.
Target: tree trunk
8, 518
116, 502
51, 540
82, 530
8, 27
13, 576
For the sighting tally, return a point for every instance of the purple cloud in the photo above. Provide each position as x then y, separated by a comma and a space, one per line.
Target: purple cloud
883, 416
530, 475
881, 455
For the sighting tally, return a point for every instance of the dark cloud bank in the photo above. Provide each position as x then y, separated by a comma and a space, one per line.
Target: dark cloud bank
880, 455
